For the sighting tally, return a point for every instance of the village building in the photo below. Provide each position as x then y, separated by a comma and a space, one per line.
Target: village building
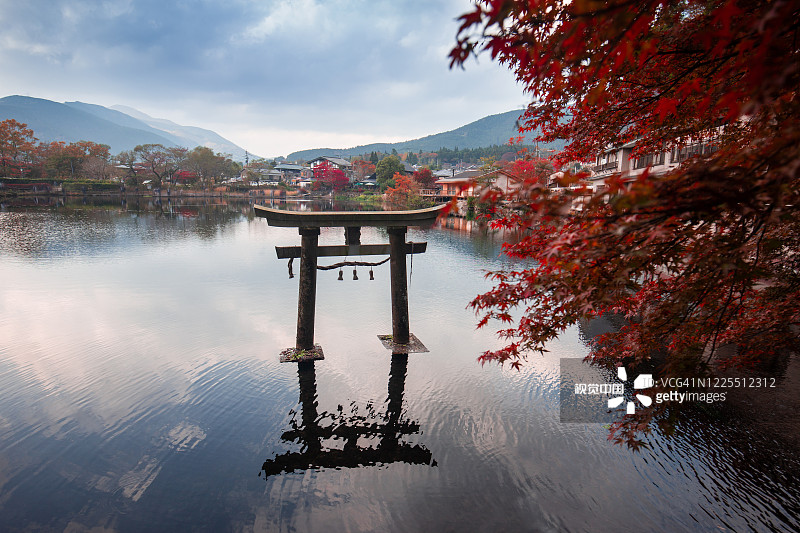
294, 174
460, 185
620, 160
470, 183
336, 162
342, 164
370, 182
269, 175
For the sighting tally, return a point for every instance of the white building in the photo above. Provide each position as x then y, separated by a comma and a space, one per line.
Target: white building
619, 160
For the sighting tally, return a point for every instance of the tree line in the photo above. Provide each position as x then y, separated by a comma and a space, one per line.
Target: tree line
452, 156
23, 156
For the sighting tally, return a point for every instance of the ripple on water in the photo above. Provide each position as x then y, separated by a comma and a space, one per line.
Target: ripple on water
135, 389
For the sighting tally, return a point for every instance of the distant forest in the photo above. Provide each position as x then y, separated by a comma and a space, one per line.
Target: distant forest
454, 156
474, 155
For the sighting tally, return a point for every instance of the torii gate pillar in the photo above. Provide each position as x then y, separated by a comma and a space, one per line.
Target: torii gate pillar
307, 297
397, 263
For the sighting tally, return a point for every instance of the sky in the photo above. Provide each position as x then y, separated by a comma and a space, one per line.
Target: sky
273, 76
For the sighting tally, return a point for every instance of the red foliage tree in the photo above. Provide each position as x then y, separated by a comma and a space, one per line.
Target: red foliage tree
329, 177
530, 170
82, 159
362, 169
404, 194
424, 177
703, 256
17, 145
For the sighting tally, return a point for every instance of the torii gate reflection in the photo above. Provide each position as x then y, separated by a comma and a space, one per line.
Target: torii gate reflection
315, 428
311, 433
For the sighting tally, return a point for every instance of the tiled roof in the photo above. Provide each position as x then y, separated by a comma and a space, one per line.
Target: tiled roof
335, 160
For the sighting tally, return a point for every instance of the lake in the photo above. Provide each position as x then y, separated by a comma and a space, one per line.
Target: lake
140, 390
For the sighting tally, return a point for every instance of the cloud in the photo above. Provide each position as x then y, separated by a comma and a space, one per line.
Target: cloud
350, 67
287, 17
285, 141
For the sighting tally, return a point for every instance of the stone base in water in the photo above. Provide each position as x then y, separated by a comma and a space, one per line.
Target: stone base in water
293, 355
414, 345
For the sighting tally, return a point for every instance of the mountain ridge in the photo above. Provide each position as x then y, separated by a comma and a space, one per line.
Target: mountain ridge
122, 128
190, 134
53, 121
491, 130
80, 121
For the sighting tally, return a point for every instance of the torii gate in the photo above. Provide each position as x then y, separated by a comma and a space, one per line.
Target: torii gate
309, 224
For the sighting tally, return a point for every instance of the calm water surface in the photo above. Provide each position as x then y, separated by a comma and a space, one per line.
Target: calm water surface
140, 390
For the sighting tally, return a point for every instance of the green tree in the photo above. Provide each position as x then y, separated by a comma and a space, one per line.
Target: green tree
210, 166
58, 162
386, 169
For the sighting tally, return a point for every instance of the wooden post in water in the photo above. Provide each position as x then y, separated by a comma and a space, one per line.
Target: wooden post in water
397, 262
306, 301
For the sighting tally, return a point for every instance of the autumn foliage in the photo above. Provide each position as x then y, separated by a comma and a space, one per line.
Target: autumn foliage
22, 158
405, 193
329, 177
424, 177
16, 146
702, 257
362, 169
530, 170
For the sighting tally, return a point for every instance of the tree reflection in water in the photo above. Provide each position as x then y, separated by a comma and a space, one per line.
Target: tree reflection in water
384, 431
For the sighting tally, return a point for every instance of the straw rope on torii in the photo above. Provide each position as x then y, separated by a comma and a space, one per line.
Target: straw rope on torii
340, 265
352, 263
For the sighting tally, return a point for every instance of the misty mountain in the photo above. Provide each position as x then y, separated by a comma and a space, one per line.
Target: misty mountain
488, 131
187, 135
52, 121
120, 129
122, 119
